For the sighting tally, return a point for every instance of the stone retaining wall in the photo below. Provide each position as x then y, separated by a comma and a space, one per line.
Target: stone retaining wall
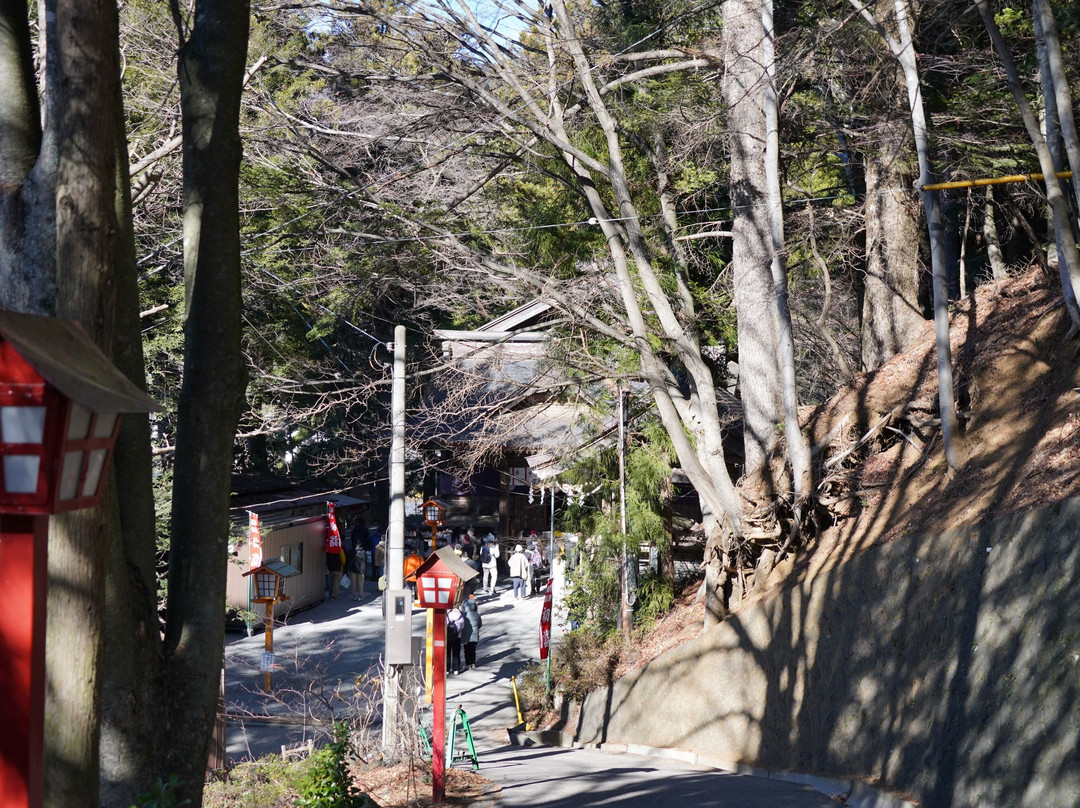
944, 668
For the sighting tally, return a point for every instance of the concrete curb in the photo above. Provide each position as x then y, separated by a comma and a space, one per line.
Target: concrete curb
853, 793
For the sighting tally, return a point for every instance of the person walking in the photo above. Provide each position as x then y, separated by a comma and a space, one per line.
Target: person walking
519, 572
455, 624
378, 559
474, 583
355, 566
470, 632
409, 567
333, 572
489, 559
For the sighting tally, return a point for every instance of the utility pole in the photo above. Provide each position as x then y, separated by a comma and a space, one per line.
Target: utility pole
395, 551
626, 617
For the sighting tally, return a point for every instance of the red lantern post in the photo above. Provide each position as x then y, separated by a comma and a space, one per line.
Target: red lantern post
60, 405
440, 585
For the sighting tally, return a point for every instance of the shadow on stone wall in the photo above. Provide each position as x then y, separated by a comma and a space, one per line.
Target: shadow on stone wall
945, 667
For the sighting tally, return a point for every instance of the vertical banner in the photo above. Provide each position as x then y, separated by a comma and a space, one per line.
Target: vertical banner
545, 623
333, 537
255, 537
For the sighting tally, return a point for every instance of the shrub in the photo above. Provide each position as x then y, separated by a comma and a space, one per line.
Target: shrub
326, 783
162, 795
654, 599
584, 660
532, 688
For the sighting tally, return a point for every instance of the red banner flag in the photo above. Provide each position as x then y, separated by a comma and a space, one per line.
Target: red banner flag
545, 623
333, 537
255, 537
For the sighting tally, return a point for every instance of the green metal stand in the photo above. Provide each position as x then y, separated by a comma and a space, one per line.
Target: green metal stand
425, 741
461, 724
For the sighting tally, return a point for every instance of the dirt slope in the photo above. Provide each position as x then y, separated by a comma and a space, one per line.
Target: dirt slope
1017, 392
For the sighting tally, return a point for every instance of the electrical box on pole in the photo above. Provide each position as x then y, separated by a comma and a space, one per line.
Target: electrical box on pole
399, 640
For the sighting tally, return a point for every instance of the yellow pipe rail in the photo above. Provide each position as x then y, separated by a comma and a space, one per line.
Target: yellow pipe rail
941, 186
517, 703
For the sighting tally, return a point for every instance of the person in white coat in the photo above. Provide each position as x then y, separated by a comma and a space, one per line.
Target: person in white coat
519, 572
489, 559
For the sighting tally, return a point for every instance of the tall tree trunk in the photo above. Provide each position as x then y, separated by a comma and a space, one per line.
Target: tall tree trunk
132, 666
1059, 84
990, 235
210, 72
1055, 146
759, 335
797, 448
891, 315
88, 74
697, 414
903, 48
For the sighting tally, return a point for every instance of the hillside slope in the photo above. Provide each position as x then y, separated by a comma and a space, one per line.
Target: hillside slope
1017, 389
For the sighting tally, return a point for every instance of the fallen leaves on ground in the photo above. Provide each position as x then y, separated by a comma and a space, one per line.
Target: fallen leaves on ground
408, 785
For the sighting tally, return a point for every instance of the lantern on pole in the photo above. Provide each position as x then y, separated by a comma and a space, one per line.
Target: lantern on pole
434, 513
440, 585
270, 590
60, 405
434, 517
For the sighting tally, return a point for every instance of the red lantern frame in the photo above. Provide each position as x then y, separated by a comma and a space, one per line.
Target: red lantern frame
436, 589
69, 460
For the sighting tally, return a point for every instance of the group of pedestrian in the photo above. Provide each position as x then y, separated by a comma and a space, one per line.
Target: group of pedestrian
361, 557
462, 631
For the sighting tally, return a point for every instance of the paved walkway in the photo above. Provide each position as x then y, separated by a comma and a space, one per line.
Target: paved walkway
327, 654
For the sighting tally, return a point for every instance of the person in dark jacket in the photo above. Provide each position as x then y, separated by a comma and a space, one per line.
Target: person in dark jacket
470, 632
333, 573
455, 623
355, 566
473, 584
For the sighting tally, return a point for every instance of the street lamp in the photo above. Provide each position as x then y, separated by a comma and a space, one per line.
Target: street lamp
269, 590
440, 585
60, 405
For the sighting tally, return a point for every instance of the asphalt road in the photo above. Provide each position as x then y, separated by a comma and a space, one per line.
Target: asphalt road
326, 658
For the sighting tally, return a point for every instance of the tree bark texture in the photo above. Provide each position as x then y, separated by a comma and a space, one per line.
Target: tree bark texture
210, 71
798, 451
1059, 87
759, 336
87, 74
990, 235
891, 315
27, 174
1069, 258
902, 45
132, 665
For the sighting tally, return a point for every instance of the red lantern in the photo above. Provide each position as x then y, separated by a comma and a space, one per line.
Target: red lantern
440, 580
60, 405
434, 512
438, 590
440, 584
